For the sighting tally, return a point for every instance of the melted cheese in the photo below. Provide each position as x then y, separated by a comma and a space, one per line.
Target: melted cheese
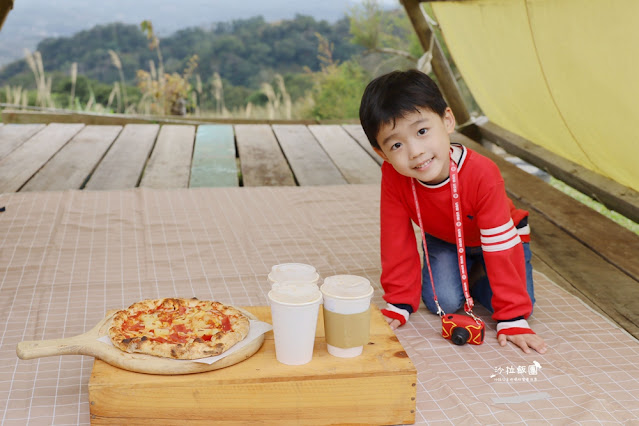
162, 323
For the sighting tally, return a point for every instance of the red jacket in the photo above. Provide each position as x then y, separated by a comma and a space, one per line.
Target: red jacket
489, 220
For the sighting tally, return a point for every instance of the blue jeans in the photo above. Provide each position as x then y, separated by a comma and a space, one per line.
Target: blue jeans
445, 267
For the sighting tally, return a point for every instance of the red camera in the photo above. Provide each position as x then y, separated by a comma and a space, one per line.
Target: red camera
462, 329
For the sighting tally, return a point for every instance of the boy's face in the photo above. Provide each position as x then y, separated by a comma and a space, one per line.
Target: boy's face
418, 145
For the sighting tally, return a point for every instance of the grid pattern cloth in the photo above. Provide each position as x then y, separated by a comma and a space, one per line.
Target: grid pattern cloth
68, 257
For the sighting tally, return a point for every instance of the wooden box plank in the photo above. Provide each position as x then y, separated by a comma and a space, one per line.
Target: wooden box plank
356, 131
170, 164
214, 163
14, 135
73, 164
261, 159
124, 162
378, 387
356, 165
24, 161
309, 162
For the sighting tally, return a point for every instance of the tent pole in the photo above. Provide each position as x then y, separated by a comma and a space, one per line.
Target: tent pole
441, 68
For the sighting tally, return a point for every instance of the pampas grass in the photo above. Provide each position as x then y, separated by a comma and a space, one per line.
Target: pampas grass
278, 103
217, 91
115, 60
74, 77
196, 99
15, 95
115, 94
43, 84
286, 98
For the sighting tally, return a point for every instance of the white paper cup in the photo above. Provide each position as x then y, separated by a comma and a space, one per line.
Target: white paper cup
293, 272
294, 309
347, 300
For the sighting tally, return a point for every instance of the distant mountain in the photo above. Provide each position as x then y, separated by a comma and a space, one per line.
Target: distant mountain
33, 20
244, 52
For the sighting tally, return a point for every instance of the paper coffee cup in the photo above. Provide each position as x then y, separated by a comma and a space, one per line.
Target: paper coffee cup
294, 310
347, 300
293, 272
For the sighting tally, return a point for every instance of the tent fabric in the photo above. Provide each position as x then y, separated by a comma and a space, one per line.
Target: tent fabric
560, 73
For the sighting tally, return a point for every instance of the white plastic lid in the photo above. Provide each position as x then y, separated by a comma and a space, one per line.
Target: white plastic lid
293, 271
294, 292
347, 287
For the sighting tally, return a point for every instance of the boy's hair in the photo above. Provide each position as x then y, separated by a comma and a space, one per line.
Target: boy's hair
393, 95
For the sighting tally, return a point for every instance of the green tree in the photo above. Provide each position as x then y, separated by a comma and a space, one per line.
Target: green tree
339, 92
387, 35
338, 87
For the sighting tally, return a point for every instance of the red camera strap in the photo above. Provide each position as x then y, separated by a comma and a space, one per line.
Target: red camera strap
459, 238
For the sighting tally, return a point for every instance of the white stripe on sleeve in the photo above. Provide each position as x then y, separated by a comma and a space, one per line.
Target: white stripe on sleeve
497, 230
503, 246
499, 238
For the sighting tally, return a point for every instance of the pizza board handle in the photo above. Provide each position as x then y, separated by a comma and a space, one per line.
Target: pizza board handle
82, 344
41, 348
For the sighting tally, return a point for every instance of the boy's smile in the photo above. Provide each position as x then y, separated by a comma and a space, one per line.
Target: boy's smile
418, 145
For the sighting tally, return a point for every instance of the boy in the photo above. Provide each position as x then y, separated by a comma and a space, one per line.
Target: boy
408, 123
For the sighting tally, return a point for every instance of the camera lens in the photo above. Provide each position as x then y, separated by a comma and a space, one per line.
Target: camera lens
460, 336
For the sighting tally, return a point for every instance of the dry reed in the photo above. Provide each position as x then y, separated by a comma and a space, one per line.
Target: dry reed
74, 77
115, 60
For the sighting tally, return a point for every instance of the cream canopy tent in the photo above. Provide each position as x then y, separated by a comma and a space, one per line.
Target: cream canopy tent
561, 73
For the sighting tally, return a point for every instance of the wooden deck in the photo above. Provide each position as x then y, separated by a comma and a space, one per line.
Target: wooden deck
38, 157
576, 247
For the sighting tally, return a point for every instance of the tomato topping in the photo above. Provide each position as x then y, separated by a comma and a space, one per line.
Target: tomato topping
180, 328
207, 337
226, 324
132, 326
174, 337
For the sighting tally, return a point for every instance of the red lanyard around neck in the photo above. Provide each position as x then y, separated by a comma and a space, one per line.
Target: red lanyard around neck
459, 238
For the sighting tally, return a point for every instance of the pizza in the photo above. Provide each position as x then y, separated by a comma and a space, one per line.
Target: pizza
178, 328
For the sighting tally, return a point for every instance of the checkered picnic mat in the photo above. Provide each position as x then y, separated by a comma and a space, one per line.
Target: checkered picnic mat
68, 257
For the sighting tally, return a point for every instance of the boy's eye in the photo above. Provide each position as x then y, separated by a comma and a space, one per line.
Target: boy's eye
422, 131
396, 145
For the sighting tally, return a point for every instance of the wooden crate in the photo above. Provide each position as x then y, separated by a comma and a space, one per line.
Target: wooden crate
377, 387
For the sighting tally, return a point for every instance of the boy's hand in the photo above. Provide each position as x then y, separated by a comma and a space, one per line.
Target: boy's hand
524, 341
393, 323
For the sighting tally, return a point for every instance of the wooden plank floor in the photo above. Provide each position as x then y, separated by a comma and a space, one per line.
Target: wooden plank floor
38, 157
262, 160
576, 247
214, 157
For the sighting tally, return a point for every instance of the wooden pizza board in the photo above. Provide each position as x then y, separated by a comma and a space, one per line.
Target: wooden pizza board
88, 344
377, 387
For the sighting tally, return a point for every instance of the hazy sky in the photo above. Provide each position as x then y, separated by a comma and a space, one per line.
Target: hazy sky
168, 13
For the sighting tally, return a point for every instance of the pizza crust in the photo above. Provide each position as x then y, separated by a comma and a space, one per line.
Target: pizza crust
178, 328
